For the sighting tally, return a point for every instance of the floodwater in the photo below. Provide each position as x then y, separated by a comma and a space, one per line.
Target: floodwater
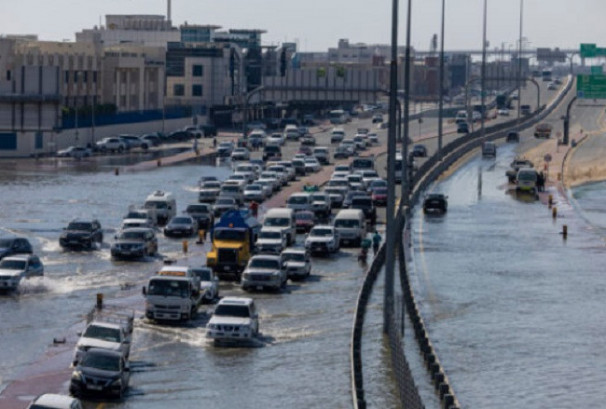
300, 360
514, 310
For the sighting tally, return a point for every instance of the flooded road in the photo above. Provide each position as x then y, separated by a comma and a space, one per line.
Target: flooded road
513, 310
301, 358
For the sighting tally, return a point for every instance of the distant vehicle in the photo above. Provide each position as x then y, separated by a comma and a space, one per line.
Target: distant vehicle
163, 203
54, 401
134, 141
272, 152
377, 119
181, 226
526, 180
81, 234
240, 154
525, 109
152, 140
503, 112
543, 130
435, 203
337, 135
552, 86
297, 263
512, 136
462, 127
225, 149
208, 130
112, 336
15, 268
111, 144
172, 297
308, 140
202, 213
271, 240
209, 283
323, 239
379, 196
419, 151
515, 166
546, 75
74, 152
338, 116
100, 372
489, 150
235, 319
223, 204
305, 220
135, 243
14, 245
265, 271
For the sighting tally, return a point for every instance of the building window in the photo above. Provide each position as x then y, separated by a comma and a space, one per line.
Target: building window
196, 90
94, 76
8, 141
198, 70
85, 76
8, 75
178, 90
66, 77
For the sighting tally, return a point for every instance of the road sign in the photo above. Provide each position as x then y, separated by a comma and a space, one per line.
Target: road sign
596, 70
592, 51
591, 86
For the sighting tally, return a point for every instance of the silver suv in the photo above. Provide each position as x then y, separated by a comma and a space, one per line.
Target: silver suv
111, 144
234, 319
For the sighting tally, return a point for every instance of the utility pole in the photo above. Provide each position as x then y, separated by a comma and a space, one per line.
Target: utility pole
520, 62
441, 103
483, 97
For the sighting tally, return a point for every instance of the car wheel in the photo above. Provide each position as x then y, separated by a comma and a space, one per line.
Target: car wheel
120, 149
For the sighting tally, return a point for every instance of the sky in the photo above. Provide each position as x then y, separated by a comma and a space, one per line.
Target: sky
318, 24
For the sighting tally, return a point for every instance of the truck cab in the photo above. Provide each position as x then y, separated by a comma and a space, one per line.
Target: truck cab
164, 204
233, 238
171, 298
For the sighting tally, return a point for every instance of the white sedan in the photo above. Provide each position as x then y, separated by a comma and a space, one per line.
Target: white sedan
312, 164
503, 112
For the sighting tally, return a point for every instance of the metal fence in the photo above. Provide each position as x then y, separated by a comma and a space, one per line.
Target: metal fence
427, 174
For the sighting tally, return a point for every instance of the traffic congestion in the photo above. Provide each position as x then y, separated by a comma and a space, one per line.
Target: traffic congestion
250, 250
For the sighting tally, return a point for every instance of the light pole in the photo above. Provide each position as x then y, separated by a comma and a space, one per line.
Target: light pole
76, 78
391, 152
520, 61
483, 96
441, 101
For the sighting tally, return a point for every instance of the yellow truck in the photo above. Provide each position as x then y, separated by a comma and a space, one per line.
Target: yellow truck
233, 242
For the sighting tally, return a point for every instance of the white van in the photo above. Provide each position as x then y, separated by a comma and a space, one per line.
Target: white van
351, 225
283, 218
164, 204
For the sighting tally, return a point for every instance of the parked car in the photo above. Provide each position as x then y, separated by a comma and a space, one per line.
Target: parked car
17, 267
81, 234
435, 203
134, 141
264, 271
55, 401
181, 226
111, 144
209, 283
74, 152
135, 243
152, 139
14, 245
235, 319
323, 239
100, 372
297, 263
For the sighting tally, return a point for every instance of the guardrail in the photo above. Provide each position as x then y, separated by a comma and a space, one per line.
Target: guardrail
427, 174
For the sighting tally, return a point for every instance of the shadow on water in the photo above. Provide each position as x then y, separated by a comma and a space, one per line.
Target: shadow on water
523, 196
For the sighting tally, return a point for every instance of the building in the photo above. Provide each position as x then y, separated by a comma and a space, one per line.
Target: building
143, 29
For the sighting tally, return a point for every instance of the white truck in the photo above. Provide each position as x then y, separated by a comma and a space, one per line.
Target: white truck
171, 298
164, 204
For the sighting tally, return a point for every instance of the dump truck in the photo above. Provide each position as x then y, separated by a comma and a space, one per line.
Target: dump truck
233, 240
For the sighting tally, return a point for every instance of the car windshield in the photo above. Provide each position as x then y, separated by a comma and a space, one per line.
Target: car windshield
230, 188
319, 198
347, 223
293, 256
224, 310
211, 185
298, 200
181, 220
277, 221
103, 362
156, 204
265, 263
225, 201
204, 274
229, 234
136, 215
132, 235
13, 264
270, 235
79, 226
104, 333
197, 209
169, 288
380, 191
321, 232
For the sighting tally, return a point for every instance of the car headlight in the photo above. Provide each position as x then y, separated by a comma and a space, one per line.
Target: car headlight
77, 376
117, 382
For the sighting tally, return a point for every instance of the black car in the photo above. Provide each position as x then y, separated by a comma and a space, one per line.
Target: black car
181, 226
100, 372
15, 245
419, 151
179, 136
463, 127
513, 137
272, 152
435, 203
81, 234
365, 204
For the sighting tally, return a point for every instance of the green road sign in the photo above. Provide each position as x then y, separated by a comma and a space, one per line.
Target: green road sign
592, 51
591, 86
596, 70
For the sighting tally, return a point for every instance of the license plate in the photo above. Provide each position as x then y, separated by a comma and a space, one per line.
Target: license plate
94, 387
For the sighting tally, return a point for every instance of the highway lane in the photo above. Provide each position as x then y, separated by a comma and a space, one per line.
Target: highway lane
512, 309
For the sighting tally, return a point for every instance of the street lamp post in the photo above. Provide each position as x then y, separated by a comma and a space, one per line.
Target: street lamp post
483, 96
441, 103
520, 62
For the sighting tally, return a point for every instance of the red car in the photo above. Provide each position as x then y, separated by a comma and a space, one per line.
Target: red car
379, 196
305, 220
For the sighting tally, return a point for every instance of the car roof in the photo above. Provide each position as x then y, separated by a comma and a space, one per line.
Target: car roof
54, 400
138, 229
19, 257
236, 301
105, 324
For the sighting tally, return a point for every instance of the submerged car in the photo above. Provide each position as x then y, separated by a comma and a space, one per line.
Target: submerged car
235, 319
81, 234
135, 243
15, 268
209, 283
181, 226
297, 263
100, 372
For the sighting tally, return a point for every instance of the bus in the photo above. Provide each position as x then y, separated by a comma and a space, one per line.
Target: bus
546, 75
338, 116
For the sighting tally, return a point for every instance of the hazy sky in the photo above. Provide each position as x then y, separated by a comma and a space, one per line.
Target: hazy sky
318, 24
